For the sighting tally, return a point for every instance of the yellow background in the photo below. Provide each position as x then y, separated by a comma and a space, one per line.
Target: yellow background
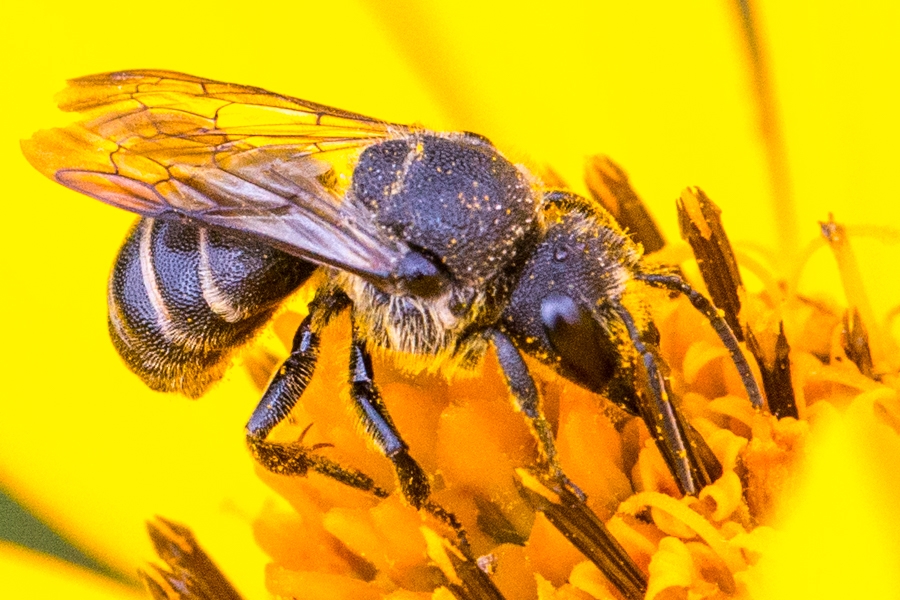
660, 87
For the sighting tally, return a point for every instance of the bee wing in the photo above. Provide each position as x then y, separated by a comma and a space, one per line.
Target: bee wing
169, 145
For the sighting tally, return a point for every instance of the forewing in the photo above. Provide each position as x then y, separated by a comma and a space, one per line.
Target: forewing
169, 145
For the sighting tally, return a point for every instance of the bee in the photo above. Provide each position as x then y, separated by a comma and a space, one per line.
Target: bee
437, 245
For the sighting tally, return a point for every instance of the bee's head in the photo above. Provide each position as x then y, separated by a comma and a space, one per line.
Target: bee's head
577, 307
565, 307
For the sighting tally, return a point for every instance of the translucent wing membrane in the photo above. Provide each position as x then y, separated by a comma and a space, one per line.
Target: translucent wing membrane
169, 145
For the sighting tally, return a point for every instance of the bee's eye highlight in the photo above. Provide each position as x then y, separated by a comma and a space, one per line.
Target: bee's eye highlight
579, 340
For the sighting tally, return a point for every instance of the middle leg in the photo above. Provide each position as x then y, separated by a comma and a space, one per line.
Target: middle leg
380, 427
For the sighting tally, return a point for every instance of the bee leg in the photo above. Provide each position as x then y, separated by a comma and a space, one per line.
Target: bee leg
721, 327
527, 399
684, 451
282, 395
378, 424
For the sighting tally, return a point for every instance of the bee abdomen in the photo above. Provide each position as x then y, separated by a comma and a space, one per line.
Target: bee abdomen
181, 298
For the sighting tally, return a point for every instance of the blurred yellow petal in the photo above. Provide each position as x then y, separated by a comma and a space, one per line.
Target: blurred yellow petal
838, 532
27, 575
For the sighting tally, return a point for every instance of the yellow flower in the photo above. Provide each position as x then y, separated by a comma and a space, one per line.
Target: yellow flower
663, 89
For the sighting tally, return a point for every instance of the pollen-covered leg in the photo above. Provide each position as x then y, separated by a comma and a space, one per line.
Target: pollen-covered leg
525, 393
282, 395
378, 424
288, 385
298, 459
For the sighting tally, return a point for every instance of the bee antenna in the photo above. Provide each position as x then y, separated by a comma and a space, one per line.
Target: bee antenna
704, 306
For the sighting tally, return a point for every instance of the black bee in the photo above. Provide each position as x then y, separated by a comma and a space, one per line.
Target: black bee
437, 245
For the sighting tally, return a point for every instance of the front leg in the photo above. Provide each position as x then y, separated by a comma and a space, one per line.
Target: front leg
525, 394
689, 458
380, 427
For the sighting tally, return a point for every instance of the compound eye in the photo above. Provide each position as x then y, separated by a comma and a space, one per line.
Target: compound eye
419, 276
585, 349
